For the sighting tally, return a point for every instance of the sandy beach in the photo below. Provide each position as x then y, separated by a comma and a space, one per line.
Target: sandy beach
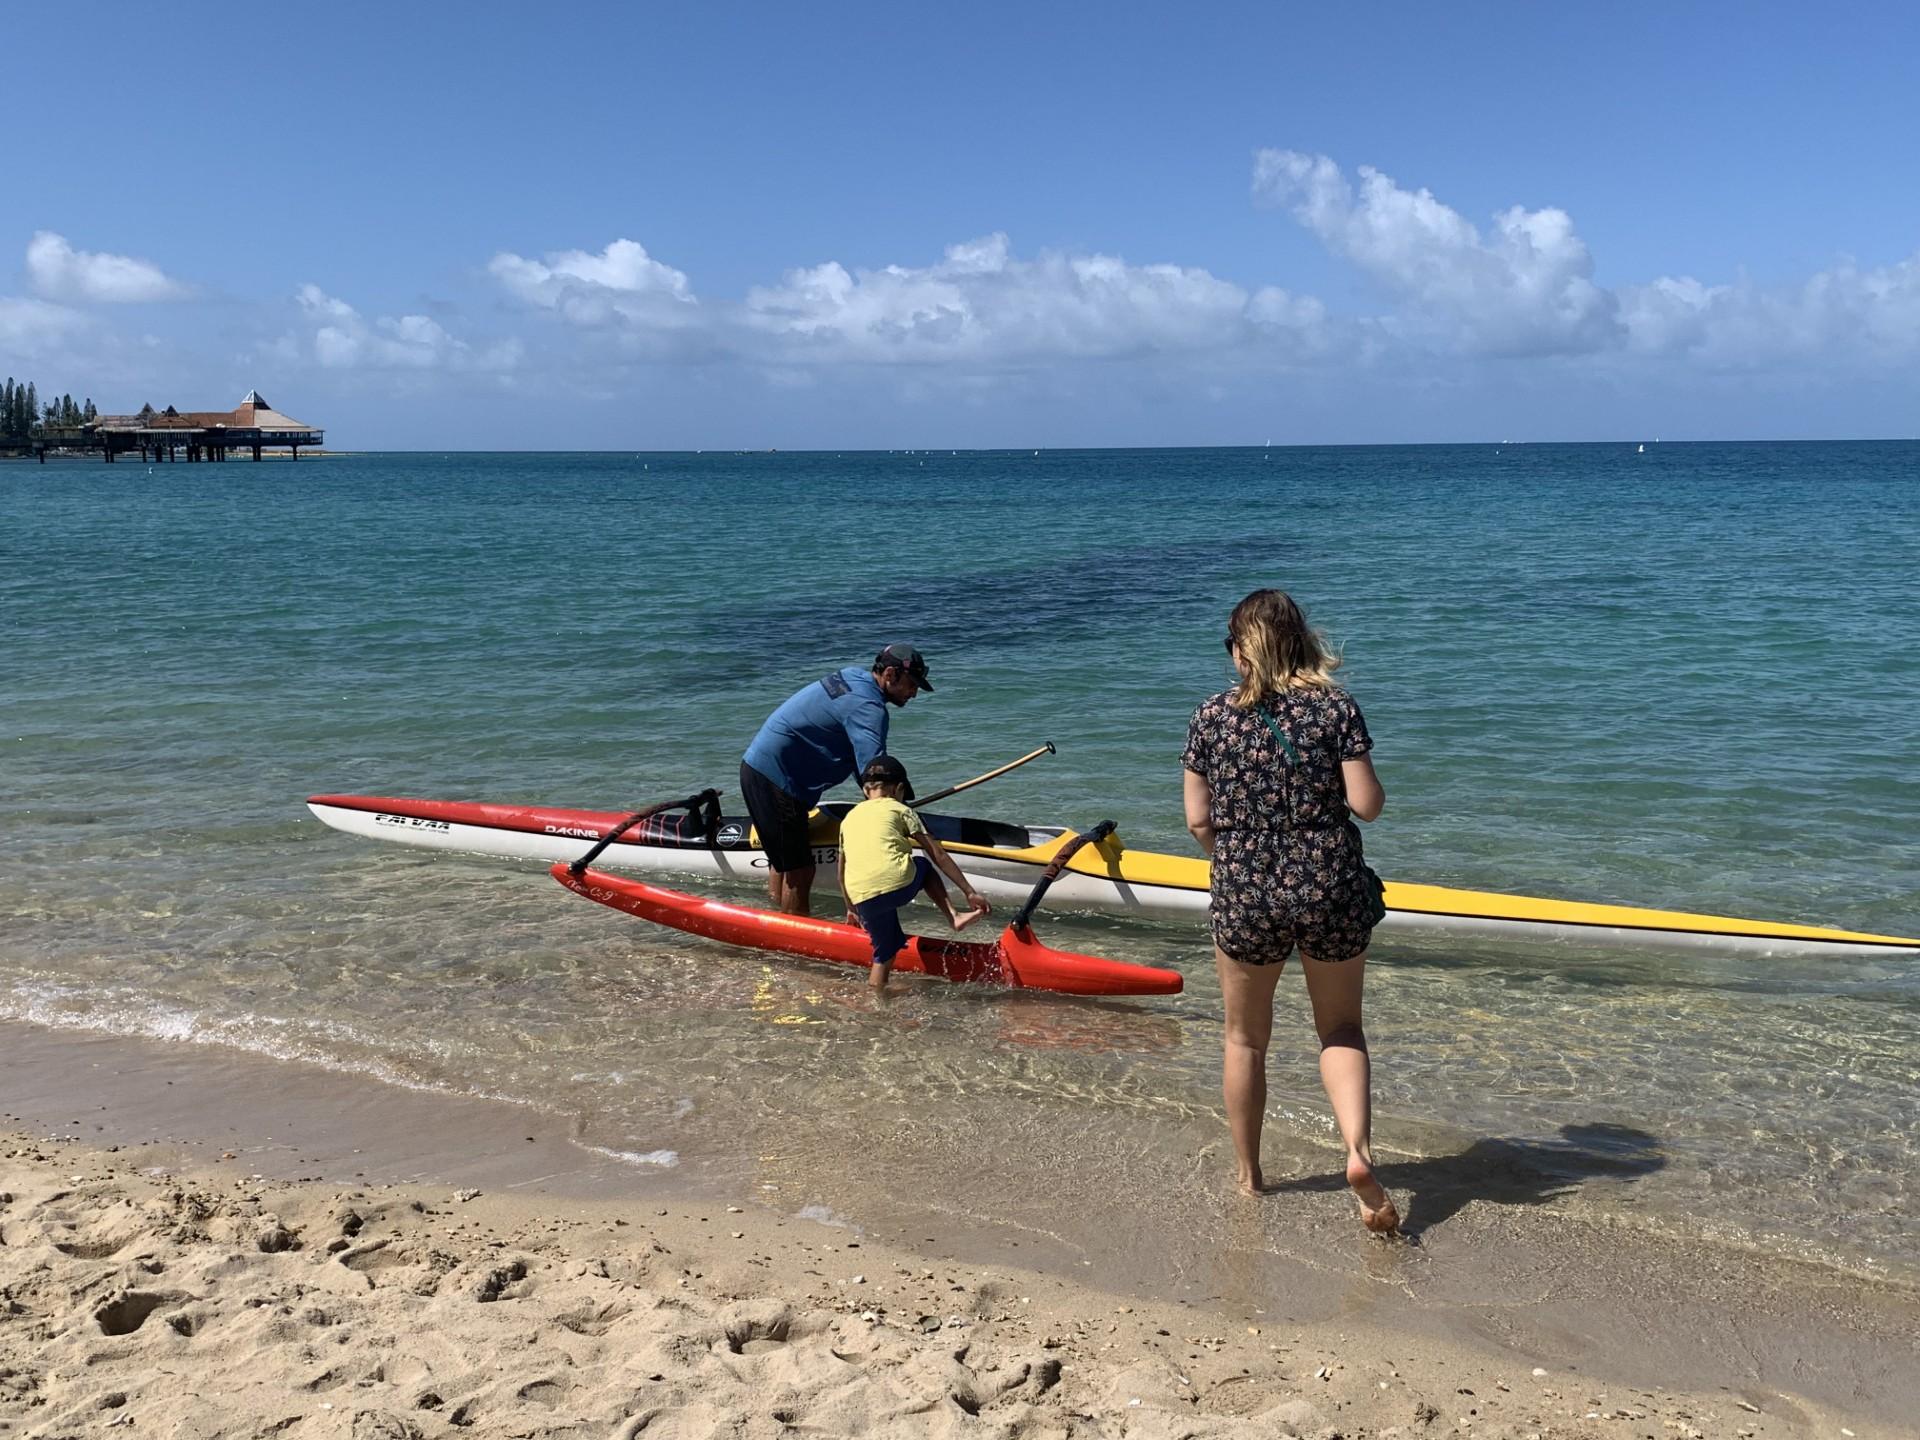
202, 1245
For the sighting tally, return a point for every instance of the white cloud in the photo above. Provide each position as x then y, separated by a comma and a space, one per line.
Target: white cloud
1870, 316
980, 323
316, 301
979, 305
26, 326
344, 339
56, 270
1525, 288
1274, 309
621, 281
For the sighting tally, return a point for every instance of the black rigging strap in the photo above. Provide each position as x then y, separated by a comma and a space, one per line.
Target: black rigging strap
1054, 867
705, 807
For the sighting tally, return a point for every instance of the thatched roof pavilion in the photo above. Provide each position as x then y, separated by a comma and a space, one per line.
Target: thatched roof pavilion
252, 424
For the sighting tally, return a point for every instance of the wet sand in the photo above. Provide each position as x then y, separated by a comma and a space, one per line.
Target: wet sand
200, 1242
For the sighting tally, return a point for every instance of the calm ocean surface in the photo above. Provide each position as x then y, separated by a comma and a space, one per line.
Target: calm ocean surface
1688, 678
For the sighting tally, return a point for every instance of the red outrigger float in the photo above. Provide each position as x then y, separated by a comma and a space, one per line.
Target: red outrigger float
1017, 959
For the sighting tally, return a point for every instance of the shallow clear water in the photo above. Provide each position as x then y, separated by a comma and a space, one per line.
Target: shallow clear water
1685, 679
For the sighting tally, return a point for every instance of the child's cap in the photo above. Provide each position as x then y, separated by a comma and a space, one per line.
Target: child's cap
885, 770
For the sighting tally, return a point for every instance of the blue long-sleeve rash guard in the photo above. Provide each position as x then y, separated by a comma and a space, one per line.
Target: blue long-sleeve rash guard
822, 734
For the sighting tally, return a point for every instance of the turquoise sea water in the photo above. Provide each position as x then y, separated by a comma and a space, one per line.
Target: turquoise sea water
1685, 678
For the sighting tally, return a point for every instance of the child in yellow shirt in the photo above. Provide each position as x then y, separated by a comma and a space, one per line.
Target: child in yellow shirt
879, 873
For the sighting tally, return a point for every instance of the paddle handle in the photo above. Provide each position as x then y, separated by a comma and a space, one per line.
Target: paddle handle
1054, 867
1046, 749
709, 798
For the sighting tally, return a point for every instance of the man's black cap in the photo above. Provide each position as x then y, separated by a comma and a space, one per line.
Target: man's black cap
905, 657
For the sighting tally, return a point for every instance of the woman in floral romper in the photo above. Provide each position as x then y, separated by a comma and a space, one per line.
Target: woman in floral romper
1273, 768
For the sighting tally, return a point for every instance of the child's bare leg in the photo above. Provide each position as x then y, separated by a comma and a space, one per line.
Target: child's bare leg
936, 891
878, 973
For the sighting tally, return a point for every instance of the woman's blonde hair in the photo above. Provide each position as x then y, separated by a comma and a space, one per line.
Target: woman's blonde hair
1280, 650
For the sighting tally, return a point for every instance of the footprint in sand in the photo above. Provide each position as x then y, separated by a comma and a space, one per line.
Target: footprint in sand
548, 1391
103, 1248
752, 1327
593, 1322
128, 1311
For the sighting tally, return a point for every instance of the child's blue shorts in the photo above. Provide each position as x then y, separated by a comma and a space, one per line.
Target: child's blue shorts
881, 914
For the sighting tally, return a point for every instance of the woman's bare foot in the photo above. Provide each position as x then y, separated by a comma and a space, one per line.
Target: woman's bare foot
1376, 1206
960, 922
1250, 1182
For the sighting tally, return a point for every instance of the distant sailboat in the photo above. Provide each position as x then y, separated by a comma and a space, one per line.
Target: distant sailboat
1641, 451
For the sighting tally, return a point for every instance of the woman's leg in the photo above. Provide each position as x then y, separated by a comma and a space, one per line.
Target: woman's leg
1248, 993
1335, 990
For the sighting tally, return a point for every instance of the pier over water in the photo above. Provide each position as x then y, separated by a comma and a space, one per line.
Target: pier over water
171, 434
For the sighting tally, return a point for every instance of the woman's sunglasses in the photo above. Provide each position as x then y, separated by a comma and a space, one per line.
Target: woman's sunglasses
1229, 644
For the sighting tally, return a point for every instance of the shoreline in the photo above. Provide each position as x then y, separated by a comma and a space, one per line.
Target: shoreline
1684, 1339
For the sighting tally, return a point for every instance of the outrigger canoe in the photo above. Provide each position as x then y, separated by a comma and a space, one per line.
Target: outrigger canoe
1004, 860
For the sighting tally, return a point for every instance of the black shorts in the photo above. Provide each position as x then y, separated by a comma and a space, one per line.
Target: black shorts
781, 820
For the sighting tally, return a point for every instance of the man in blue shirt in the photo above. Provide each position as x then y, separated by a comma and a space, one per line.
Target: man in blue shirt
818, 737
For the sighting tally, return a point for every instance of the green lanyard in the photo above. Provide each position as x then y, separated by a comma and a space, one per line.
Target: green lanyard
1280, 735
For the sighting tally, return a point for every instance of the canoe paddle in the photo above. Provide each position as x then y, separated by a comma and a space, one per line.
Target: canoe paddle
1046, 749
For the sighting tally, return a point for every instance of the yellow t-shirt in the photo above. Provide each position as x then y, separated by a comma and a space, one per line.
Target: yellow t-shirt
876, 839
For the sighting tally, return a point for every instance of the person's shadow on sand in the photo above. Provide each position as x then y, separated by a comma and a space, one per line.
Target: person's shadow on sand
1503, 1171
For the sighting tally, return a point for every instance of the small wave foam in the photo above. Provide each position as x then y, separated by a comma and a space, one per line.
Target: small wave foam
63, 1007
54, 1006
659, 1159
822, 1215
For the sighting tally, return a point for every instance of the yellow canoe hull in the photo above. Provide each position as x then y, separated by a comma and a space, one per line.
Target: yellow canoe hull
1110, 877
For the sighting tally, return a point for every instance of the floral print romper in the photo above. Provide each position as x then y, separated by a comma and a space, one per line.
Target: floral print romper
1285, 869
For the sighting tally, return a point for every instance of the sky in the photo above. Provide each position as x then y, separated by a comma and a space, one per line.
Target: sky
601, 226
